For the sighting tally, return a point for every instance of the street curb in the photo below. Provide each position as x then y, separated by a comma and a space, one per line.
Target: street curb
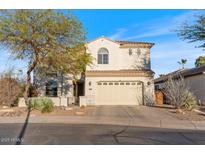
178, 124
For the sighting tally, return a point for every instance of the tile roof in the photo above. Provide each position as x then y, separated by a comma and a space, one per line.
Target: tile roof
183, 72
122, 42
120, 73
134, 44
194, 71
127, 44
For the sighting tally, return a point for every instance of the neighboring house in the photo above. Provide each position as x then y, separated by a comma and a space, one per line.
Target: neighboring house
194, 78
120, 75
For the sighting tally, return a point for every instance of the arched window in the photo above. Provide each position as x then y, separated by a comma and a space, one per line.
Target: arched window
103, 56
51, 88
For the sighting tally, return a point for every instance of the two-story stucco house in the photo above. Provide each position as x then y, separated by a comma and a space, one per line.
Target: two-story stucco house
120, 75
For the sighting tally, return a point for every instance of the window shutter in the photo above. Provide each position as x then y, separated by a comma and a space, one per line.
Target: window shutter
99, 58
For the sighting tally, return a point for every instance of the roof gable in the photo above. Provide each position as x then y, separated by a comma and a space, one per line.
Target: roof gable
126, 44
102, 37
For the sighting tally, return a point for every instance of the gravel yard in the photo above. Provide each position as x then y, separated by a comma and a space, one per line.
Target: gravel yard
58, 111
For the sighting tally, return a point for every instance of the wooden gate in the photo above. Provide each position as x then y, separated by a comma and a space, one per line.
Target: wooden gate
159, 97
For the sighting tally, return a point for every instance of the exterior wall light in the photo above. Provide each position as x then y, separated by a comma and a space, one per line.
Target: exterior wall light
89, 83
130, 51
138, 52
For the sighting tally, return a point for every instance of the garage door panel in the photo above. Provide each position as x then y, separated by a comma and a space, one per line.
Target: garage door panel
119, 93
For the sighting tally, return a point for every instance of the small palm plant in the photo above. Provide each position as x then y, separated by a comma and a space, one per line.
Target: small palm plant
182, 62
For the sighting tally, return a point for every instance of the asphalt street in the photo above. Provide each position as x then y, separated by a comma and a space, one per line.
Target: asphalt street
79, 134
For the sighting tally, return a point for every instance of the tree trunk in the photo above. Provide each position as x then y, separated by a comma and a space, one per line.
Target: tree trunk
28, 82
76, 91
62, 83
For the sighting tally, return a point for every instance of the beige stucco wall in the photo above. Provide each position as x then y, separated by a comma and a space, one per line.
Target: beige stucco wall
91, 90
197, 86
119, 58
58, 101
65, 83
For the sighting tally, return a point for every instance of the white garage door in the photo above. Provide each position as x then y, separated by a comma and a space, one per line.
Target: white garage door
119, 93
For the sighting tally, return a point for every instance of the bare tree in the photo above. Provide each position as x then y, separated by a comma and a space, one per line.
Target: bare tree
178, 93
10, 89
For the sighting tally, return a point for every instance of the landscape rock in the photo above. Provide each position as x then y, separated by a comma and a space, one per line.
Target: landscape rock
79, 113
68, 108
63, 108
7, 110
5, 107
198, 111
32, 115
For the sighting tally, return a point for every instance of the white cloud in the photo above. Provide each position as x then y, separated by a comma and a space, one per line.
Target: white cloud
164, 56
152, 33
156, 27
119, 33
189, 16
167, 51
175, 49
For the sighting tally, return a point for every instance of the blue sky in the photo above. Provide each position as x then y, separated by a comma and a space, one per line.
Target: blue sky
137, 25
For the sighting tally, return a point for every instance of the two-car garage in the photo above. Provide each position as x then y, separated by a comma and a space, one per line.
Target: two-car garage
119, 93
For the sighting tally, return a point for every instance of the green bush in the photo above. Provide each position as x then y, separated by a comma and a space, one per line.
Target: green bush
190, 101
42, 104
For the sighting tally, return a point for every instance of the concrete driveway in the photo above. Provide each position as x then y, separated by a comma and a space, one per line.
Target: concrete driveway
104, 125
114, 115
142, 116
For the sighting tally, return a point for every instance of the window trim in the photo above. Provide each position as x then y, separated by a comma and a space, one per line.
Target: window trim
51, 88
102, 56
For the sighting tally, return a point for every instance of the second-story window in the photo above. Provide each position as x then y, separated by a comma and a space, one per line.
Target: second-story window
103, 56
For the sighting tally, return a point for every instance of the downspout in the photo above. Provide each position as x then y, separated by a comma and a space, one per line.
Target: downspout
61, 86
62, 83
143, 102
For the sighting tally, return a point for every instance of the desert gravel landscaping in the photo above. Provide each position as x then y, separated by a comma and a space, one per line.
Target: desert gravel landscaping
58, 111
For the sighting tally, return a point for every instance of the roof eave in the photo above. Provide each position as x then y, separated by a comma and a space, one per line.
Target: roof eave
101, 38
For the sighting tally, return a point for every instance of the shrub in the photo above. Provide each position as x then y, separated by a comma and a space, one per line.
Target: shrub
179, 94
48, 106
189, 101
10, 89
33, 91
42, 104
